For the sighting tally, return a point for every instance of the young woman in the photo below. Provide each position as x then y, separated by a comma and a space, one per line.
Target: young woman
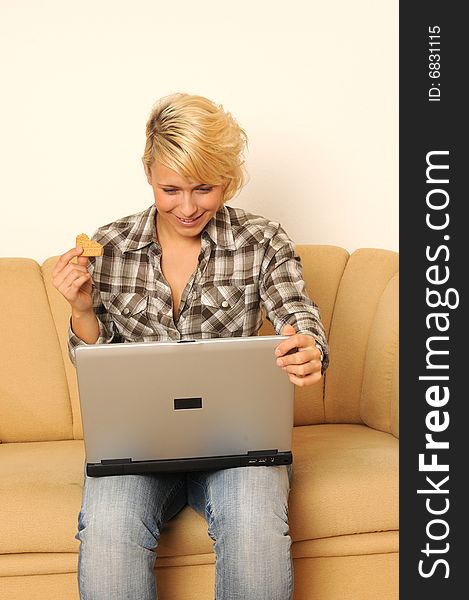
190, 266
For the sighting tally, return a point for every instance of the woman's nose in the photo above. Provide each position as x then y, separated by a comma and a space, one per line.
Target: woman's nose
188, 206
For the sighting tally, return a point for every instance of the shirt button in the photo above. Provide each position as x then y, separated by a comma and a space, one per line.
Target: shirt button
126, 311
225, 304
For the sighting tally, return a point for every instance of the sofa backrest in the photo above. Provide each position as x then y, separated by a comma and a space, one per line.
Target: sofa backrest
323, 267
34, 395
357, 298
60, 310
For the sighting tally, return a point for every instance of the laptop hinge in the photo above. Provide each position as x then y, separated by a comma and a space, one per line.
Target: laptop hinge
262, 451
116, 461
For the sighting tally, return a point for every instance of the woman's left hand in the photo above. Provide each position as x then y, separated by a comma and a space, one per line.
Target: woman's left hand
304, 366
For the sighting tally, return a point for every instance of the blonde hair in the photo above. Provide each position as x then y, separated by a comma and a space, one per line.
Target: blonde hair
199, 140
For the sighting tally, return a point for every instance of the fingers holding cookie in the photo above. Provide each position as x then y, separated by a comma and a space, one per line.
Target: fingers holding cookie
70, 275
72, 279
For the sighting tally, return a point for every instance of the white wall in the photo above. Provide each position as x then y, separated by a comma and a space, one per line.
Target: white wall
314, 84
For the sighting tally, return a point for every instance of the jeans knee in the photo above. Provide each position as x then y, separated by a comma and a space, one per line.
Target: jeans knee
252, 535
253, 561
108, 529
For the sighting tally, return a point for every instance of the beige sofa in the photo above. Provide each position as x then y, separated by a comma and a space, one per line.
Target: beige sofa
344, 499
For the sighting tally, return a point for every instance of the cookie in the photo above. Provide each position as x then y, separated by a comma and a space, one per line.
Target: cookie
90, 247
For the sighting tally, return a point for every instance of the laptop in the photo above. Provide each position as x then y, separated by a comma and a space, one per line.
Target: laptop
152, 407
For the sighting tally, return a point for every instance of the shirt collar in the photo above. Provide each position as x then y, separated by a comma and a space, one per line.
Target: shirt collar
142, 233
219, 229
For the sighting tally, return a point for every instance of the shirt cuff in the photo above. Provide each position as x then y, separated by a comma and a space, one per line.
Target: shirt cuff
317, 343
103, 338
319, 347
324, 350
74, 341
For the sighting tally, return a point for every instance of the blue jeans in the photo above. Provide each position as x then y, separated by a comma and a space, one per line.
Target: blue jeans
246, 510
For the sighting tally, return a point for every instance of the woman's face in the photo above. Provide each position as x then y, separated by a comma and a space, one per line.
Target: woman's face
184, 206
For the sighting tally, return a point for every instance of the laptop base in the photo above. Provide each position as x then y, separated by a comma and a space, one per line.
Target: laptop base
127, 466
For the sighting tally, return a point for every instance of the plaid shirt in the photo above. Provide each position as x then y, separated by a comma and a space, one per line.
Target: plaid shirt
246, 263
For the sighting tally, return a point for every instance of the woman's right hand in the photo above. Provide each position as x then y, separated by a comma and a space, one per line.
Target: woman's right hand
73, 281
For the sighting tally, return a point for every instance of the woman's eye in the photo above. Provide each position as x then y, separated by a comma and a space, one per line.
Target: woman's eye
203, 190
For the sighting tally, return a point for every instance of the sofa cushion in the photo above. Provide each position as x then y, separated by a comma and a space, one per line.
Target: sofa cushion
40, 496
344, 482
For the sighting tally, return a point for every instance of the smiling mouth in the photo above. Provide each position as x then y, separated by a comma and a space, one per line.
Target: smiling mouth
187, 221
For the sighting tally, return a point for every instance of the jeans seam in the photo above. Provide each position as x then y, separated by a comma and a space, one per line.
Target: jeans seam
208, 506
165, 505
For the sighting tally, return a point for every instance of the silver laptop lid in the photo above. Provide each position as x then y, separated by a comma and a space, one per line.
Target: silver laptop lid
170, 400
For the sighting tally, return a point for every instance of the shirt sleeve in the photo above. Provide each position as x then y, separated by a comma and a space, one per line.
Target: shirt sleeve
107, 332
283, 293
